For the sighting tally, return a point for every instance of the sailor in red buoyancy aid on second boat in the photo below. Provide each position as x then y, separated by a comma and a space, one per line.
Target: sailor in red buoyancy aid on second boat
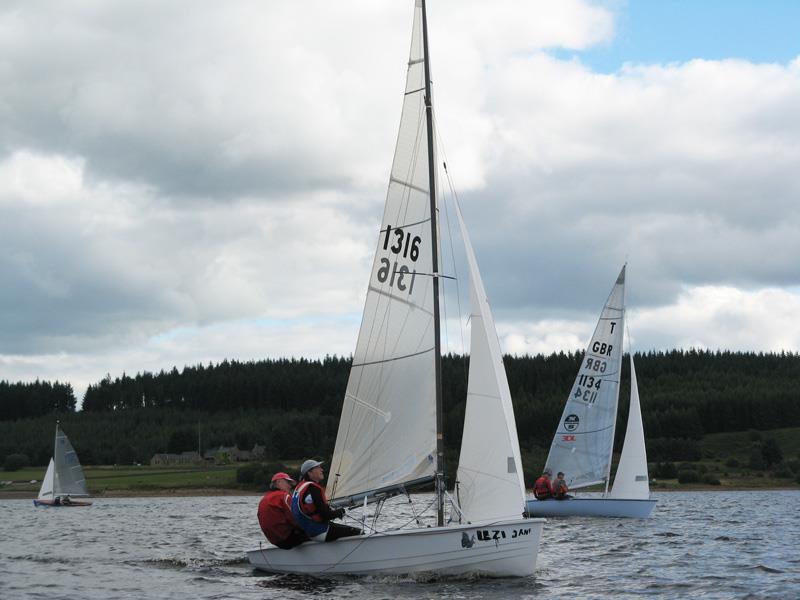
543, 488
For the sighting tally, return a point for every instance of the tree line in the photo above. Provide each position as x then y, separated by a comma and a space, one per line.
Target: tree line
292, 405
23, 400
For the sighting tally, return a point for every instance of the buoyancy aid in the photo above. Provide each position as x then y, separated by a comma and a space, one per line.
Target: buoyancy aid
560, 488
305, 512
543, 489
275, 516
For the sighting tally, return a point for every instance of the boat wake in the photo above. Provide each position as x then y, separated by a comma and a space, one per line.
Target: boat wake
191, 563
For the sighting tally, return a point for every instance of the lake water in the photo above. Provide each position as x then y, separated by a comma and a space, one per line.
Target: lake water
699, 544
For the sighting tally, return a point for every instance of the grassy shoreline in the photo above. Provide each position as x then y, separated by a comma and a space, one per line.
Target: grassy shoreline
198, 492
29, 491
726, 458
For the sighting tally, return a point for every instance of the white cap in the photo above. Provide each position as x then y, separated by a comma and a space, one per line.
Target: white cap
308, 465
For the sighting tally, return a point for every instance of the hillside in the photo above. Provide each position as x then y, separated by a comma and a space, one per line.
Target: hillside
688, 397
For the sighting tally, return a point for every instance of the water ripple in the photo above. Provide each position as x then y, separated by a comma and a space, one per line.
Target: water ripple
695, 544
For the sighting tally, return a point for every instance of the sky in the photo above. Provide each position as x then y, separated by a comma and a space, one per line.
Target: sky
189, 181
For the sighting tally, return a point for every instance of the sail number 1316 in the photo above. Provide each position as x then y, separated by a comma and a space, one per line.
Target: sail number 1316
402, 244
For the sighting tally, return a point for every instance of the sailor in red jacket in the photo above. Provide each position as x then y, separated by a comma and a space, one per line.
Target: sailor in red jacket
275, 514
543, 488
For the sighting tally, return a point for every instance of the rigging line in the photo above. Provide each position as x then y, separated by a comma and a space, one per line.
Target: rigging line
450, 228
346, 556
451, 185
424, 510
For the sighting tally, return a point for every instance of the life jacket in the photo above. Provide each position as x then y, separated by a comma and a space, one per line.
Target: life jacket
305, 512
560, 488
275, 516
543, 489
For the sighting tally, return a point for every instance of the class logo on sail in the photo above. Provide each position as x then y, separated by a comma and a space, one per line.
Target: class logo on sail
571, 422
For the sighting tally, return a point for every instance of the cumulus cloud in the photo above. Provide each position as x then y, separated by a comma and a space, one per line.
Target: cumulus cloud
175, 175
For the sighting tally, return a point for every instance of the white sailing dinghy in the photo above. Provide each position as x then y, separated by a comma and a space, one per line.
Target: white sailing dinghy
390, 432
584, 440
64, 478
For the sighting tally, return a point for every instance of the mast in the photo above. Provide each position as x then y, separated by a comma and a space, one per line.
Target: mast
435, 264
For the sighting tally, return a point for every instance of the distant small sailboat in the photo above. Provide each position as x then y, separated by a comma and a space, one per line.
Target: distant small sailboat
584, 441
64, 478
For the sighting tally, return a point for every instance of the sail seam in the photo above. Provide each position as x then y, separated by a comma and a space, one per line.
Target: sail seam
401, 300
386, 360
583, 432
490, 396
406, 224
413, 187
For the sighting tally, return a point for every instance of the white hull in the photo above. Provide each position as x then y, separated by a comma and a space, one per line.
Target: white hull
591, 507
500, 549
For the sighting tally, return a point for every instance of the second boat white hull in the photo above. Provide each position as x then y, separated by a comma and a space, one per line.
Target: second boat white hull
591, 507
501, 549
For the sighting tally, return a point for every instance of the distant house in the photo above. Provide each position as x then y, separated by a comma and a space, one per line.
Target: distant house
223, 455
184, 458
228, 454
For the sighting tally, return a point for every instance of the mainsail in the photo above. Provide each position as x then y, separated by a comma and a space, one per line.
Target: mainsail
68, 479
489, 479
632, 479
585, 436
387, 430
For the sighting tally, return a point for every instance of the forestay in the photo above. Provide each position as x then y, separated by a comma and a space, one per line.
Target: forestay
68, 478
631, 479
490, 484
585, 435
387, 430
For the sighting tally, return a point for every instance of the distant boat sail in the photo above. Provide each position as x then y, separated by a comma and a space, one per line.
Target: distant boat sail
64, 478
584, 442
